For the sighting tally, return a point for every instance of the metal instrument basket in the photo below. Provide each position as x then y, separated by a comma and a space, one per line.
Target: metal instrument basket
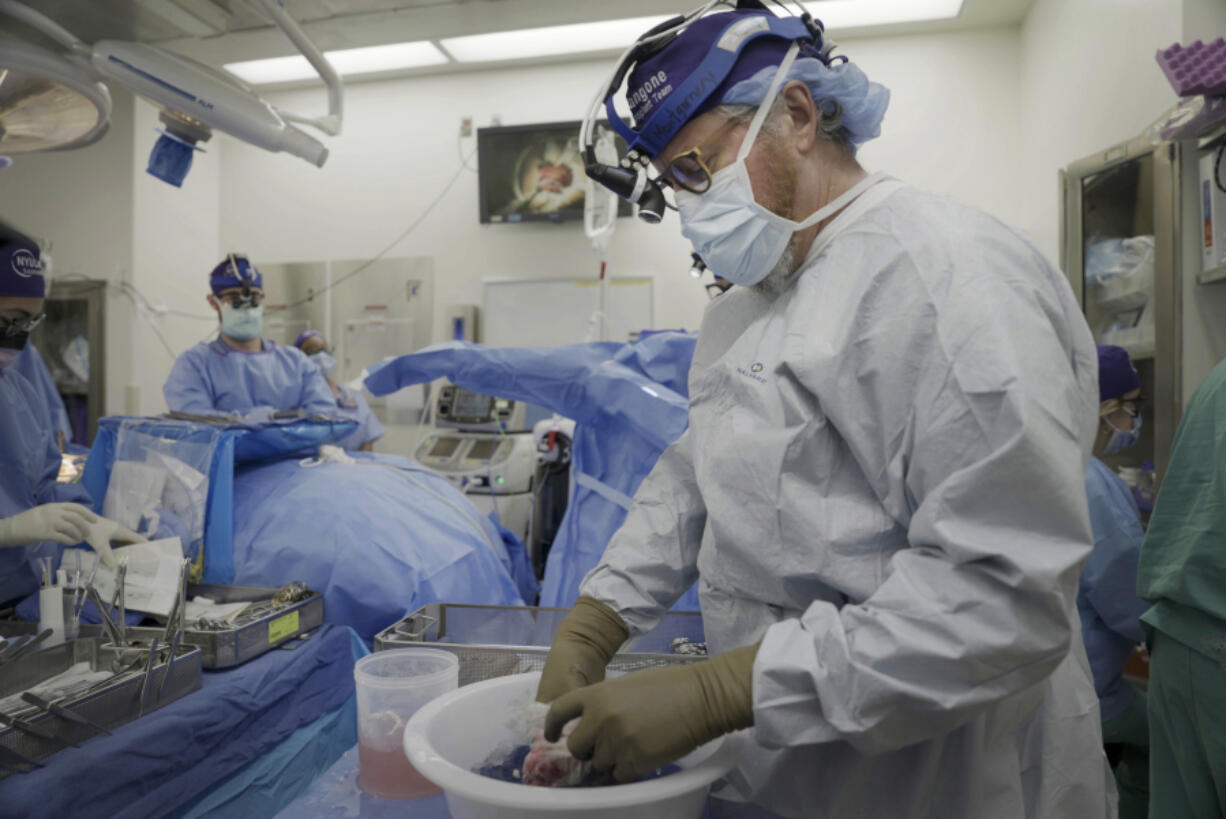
495, 641
225, 648
138, 689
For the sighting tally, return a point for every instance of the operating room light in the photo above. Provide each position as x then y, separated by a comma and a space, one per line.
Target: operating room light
574, 38
604, 35
348, 62
607, 35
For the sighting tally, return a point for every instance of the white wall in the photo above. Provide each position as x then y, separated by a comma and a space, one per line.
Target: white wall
1089, 81
1203, 20
81, 202
953, 121
400, 149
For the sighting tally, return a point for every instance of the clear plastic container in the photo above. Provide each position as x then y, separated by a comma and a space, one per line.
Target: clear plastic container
391, 686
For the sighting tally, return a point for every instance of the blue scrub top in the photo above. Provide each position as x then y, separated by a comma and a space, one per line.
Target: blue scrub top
29, 464
32, 367
352, 404
214, 377
1107, 593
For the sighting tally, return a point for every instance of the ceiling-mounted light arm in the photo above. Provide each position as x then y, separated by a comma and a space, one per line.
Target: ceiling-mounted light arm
41, 23
330, 124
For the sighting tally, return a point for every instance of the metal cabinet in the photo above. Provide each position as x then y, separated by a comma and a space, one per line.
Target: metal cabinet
1127, 191
72, 341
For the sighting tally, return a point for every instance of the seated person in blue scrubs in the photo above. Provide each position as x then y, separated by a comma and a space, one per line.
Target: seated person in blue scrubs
37, 514
1107, 594
350, 403
241, 373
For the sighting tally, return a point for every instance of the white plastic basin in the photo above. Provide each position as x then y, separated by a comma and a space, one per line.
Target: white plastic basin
455, 733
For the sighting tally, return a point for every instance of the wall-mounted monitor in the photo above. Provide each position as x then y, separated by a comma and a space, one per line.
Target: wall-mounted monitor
534, 173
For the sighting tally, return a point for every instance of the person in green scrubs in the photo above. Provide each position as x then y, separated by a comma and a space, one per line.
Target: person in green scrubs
1183, 573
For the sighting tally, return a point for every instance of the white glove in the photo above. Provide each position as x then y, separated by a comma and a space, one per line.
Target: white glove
67, 523
104, 530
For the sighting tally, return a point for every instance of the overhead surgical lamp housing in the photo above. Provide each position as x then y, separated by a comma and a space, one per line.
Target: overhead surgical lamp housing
196, 98
47, 101
55, 101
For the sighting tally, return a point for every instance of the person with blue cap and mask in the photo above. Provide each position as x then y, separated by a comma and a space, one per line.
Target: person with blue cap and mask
1107, 595
240, 372
880, 493
37, 514
350, 403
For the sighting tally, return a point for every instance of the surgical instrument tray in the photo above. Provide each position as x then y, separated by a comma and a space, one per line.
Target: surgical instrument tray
225, 647
104, 703
493, 641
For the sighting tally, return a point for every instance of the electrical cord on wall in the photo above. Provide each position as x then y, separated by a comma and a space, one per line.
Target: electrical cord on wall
459, 146
404, 234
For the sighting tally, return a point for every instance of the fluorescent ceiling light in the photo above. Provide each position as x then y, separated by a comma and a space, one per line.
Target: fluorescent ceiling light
348, 62
837, 14
607, 35
604, 35
576, 38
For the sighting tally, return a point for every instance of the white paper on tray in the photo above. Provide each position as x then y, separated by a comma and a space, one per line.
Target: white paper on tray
153, 575
203, 607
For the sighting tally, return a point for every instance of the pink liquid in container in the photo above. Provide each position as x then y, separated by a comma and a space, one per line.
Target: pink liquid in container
391, 686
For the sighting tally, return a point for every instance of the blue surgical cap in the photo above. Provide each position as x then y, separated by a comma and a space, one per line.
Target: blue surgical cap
233, 271
1116, 373
21, 269
862, 101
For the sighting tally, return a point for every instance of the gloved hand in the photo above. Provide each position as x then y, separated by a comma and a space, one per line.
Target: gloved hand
104, 531
66, 523
637, 723
586, 641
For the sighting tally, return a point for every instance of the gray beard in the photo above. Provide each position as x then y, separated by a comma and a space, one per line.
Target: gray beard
781, 274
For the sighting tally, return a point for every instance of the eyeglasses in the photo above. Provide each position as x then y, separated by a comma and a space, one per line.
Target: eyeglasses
19, 325
1133, 406
236, 300
689, 170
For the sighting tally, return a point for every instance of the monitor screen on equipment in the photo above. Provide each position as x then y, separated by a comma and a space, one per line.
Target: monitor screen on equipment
469, 404
530, 173
482, 449
444, 447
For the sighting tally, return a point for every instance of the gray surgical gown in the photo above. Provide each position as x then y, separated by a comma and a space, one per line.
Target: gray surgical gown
882, 483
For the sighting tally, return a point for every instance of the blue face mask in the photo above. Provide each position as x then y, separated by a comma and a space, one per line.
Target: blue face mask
324, 362
1122, 439
242, 323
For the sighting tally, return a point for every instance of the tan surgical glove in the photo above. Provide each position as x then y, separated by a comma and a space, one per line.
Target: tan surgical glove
587, 639
634, 724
